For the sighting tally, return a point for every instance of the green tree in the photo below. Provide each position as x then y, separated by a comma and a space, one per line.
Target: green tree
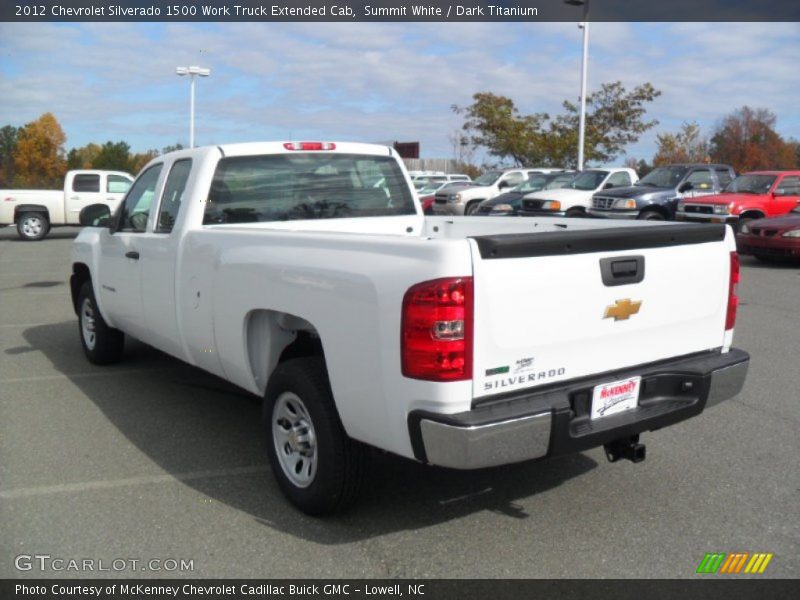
8, 144
747, 140
39, 158
172, 148
686, 146
614, 119
114, 156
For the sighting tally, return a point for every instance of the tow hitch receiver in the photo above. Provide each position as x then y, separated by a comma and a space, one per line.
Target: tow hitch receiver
628, 448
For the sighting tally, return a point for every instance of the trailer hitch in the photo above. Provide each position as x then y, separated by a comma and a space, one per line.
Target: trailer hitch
628, 448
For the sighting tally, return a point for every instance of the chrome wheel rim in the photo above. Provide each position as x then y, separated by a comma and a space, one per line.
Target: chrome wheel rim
88, 324
294, 439
31, 226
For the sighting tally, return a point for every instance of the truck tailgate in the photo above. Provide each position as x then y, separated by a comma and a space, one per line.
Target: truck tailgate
560, 305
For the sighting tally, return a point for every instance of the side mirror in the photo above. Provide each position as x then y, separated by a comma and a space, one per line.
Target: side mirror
608, 186
686, 186
779, 192
95, 215
502, 185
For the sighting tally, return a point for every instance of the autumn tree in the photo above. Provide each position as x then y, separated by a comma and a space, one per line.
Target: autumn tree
747, 140
615, 118
83, 158
39, 158
140, 159
685, 146
8, 144
113, 156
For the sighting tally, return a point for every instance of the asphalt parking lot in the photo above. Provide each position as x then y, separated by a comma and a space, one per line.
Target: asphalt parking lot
153, 459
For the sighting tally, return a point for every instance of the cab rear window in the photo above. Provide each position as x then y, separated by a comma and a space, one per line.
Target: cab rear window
285, 187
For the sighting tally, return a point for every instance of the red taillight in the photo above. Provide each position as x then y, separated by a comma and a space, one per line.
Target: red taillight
436, 330
733, 299
310, 146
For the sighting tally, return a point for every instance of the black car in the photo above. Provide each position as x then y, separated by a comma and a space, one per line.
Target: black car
509, 203
655, 196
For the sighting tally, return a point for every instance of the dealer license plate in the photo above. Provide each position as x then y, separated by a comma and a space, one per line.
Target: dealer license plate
615, 397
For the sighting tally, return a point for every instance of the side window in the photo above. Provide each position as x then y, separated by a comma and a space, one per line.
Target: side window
701, 179
619, 179
514, 179
724, 177
173, 194
117, 184
136, 209
789, 186
86, 183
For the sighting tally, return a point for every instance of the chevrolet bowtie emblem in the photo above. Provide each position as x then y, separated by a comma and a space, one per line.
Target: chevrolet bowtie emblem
622, 309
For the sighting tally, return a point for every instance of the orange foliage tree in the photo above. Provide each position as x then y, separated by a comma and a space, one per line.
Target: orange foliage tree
747, 140
39, 158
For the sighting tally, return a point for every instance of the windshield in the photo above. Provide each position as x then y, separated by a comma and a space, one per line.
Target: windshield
561, 181
588, 180
533, 184
751, 184
489, 178
430, 188
666, 177
285, 187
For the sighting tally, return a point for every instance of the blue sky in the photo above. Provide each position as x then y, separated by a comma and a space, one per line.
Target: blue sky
377, 82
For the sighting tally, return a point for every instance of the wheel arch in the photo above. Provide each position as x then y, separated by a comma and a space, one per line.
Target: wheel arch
752, 213
273, 337
80, 275
31, 208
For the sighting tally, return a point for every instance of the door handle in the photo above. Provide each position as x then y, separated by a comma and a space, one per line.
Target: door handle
132, 254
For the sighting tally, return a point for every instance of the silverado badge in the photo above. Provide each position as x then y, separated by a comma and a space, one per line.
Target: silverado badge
622, 309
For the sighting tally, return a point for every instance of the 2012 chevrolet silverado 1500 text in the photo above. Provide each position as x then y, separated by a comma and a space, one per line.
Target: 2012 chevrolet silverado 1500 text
460, 342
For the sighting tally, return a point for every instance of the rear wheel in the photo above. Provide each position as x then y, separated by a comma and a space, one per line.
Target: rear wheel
32, 226
102, 344
651, 215
317, 466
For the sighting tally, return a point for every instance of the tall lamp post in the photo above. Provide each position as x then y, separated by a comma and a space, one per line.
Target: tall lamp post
584, 76
192, 72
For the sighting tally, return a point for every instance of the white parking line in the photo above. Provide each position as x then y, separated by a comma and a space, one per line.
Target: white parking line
18, 325
105, 484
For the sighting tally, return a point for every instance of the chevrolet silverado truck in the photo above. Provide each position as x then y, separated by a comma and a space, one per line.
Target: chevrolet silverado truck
34, 212
463, 342
750, 196
656, 195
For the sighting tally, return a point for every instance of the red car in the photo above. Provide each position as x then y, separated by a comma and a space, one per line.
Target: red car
427, 203
766, 239
753, 195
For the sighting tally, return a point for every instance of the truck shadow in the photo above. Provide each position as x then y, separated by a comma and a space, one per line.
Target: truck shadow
207, 434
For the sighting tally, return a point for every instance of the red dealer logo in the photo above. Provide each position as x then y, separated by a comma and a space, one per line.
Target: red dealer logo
618, 390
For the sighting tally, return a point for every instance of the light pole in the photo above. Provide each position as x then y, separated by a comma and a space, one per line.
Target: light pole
584, 76
192, 72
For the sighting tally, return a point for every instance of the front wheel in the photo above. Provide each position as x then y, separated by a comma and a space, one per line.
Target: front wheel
32, 226
317, 466
102, 344
650, 215
573, 213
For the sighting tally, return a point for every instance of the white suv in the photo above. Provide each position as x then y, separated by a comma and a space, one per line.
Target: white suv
465, 201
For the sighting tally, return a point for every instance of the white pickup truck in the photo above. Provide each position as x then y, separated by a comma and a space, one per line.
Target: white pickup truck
463, 342
34, 212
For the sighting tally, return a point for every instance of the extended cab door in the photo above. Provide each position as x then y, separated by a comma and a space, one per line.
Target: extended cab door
158, 254
119, 282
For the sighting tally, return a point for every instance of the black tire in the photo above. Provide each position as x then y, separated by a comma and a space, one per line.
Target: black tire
472, 208
339, 463
651, 215
573, 213
108, 343
32, 226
